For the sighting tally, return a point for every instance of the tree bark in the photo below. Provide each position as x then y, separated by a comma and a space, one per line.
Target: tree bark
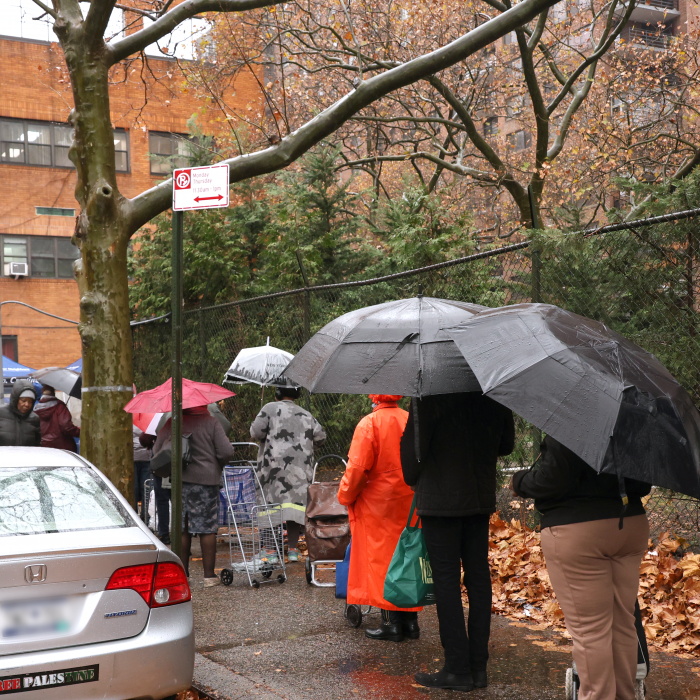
102, 235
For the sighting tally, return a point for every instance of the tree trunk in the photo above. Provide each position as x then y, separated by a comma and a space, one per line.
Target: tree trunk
102, 235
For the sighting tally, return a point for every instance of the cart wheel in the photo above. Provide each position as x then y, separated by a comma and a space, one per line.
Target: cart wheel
569, 687
354, 615
640, 690
281, 578
255, 583
226, 577
308, 571
267, 574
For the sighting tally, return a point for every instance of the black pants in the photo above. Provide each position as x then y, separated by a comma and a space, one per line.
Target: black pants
162, 506
451, 541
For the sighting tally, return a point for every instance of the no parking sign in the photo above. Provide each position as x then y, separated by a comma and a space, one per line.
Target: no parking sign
200, 188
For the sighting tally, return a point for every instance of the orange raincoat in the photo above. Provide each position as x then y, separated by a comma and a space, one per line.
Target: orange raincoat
377, 498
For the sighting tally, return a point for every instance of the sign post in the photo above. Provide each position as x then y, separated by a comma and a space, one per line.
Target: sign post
193, 188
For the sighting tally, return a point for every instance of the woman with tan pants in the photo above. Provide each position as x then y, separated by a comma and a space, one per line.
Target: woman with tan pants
593, 557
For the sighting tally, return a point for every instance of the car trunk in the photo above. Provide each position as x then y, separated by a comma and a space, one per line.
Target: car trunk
56, 597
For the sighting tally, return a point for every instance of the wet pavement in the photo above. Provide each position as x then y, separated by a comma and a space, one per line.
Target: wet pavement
290, 641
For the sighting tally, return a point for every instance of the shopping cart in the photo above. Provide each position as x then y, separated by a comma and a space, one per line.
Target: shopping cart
573, 684
255, 528
148, 502
327, 526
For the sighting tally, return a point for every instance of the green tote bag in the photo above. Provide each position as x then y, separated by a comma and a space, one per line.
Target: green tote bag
409, 580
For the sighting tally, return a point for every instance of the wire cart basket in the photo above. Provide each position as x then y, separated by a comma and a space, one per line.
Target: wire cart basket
255, 527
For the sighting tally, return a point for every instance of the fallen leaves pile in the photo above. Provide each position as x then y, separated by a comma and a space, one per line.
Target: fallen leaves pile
669, 587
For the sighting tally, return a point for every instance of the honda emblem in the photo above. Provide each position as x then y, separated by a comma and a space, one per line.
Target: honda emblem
35, 573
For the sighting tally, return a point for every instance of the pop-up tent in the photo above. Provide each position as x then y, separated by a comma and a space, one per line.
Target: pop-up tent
11, 372
76, 366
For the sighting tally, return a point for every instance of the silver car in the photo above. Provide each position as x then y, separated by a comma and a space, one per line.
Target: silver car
92, 605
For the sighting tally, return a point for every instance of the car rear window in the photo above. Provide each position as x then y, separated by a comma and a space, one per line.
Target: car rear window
35, 500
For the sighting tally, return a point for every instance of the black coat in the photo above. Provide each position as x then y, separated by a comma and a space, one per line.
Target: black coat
461, 437
17, 429
566, 490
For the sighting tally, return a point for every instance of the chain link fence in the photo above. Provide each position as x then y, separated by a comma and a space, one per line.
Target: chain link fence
639, 278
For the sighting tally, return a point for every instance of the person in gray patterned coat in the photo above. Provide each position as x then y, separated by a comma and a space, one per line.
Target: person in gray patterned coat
287, 435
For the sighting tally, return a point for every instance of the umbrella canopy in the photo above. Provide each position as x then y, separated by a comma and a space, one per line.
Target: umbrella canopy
159, 400
60, 378
611, 402
261, 365
149, 423
394, 348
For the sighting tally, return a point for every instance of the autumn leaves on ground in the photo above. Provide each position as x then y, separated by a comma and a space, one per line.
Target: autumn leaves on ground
669, 594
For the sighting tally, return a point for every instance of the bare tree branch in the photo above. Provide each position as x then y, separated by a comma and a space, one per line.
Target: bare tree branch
150, 203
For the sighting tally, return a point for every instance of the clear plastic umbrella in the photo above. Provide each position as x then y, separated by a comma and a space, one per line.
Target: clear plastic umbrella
260, 365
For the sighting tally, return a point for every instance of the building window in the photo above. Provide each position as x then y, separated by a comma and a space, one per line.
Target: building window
9, 347
54, 211
510, 38
491, 126
168, 151
45, 256
519, 140
46, 144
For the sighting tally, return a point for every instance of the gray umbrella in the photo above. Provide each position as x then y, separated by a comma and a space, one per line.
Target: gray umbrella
599, 394
392, 348
62, 379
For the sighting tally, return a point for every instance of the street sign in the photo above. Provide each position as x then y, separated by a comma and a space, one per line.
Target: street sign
200, 188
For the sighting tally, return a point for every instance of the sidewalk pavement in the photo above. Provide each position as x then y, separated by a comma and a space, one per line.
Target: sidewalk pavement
290, 641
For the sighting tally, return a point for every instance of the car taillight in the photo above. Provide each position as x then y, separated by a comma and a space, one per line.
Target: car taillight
158, 584
170, 585
137, 578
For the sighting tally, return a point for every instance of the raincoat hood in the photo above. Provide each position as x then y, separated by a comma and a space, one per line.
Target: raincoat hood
17, 389
384, 398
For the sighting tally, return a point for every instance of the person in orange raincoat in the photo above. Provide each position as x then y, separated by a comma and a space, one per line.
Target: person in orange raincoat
378, 502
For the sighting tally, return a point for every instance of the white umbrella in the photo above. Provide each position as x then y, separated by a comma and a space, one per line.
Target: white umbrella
61, 379
262, 365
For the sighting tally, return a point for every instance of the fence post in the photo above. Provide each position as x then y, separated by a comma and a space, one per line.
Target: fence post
536, 299
307, 316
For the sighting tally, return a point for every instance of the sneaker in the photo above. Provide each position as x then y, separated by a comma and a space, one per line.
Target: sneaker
268, 557
293, 555
213, 581
165, 539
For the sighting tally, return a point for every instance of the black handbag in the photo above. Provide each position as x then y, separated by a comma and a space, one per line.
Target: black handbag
161, 463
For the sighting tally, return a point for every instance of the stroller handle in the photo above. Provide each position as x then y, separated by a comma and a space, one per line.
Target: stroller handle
345, 464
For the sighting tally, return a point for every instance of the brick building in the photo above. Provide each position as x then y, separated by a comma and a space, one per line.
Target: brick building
37, 211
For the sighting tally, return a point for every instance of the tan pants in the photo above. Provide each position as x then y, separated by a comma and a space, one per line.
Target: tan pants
594, 569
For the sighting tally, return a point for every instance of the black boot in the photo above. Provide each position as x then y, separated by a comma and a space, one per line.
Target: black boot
409, 624
446, 680
389, 630
480, 679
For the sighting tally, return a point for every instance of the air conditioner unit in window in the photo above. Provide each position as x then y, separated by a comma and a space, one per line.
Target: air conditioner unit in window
16, 269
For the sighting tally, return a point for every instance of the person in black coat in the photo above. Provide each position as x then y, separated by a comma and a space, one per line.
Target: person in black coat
593, 555
451, 464
19, 425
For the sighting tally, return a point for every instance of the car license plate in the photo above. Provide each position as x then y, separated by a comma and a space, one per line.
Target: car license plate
24, 682
28, 618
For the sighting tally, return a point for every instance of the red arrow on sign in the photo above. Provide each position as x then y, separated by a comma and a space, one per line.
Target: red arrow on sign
204, 199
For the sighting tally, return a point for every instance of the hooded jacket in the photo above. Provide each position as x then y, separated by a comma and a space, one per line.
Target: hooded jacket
377, 498
461, 438
17, 429
57, 429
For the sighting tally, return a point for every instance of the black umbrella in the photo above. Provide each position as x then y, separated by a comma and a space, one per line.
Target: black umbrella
392, 348
612, 403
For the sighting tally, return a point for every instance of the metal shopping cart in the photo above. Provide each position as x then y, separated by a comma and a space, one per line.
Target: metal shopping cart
149, 512
255, 528
327, 526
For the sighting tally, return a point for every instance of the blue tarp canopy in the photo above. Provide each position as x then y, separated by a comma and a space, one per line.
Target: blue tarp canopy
12, 370
76, 366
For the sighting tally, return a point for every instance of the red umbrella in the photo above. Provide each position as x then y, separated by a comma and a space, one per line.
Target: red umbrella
159, 400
